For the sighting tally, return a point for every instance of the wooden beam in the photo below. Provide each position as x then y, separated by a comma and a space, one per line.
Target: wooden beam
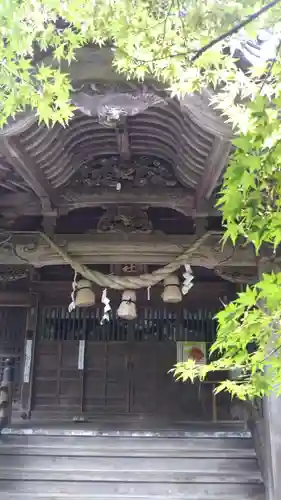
156, 249
179, 199
26, 167
19, 200
16, 299
175, 198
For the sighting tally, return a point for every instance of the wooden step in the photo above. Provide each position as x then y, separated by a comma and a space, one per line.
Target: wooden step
58, 490
133, 465
128, 466
138, 447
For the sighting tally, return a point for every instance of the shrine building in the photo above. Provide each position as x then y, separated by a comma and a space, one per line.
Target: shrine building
112, 271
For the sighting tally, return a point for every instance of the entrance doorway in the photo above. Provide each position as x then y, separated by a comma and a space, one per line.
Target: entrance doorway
118, 378
83, 368
132, 378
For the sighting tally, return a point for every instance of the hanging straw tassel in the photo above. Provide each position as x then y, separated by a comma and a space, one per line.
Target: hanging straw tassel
84, 295
172, 293
127, 309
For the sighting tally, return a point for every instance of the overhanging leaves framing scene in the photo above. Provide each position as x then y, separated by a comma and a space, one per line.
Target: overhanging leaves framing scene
226, 53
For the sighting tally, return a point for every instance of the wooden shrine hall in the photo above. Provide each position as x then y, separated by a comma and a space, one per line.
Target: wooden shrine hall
111, 271
124, 196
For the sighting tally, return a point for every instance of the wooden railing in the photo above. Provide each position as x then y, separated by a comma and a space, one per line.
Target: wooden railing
6, 394
256, 427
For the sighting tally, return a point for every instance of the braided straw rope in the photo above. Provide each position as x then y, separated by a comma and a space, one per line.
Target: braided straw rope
129, 282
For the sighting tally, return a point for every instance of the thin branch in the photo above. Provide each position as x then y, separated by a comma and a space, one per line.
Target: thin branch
235, 29
272, 352
182, 25
166, 19
270, 68
218, 39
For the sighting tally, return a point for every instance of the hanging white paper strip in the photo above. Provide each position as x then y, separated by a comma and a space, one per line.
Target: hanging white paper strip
81, 355
27, 361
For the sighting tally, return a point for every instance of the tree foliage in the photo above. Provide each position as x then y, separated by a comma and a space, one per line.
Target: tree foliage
246, 343
165, 41
147, 38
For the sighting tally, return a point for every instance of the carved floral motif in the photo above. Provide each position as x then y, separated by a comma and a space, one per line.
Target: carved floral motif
125, 220
112, 173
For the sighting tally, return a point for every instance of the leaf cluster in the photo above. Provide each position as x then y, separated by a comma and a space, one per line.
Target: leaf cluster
250, 197
148, 38
248, 341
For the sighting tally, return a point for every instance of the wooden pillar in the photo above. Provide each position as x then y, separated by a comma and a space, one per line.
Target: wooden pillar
28, 365
272, 427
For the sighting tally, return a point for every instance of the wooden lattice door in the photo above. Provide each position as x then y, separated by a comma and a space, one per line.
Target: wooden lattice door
84, 368
153, 388
57, 380
107, 378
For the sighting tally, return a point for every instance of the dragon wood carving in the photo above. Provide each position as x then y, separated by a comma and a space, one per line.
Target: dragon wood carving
112, 173
125, 220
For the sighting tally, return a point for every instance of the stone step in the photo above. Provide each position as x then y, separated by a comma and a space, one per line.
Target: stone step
56, 490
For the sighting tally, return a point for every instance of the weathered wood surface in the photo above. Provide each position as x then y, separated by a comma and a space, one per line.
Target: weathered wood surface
110, 248
179, 199
119, 378
6, 393
142, 465
28, 170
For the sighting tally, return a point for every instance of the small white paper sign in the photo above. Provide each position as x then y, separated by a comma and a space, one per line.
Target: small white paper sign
81, 355
27, 361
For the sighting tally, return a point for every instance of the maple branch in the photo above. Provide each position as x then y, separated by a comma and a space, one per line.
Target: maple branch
218, 39
235, 29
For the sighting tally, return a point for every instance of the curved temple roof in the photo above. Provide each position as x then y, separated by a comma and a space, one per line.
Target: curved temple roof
118, 120
167, 132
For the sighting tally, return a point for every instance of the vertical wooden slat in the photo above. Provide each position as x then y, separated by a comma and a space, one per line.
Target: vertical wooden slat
65, 320
106, 365
42, 324
108, 330
94, 329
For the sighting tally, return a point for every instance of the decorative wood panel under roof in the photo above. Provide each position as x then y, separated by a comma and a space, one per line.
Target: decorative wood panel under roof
127, 143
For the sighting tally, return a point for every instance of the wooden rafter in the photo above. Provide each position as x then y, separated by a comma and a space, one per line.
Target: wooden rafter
26, 167
216, 163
